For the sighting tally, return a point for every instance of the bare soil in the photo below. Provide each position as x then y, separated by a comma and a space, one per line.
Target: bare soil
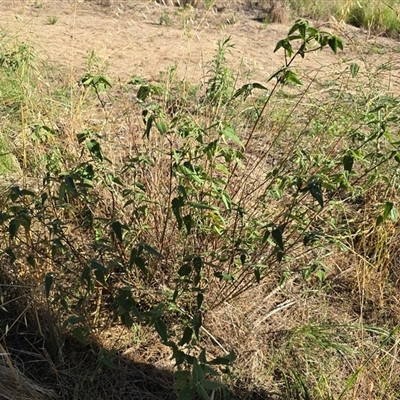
142, 38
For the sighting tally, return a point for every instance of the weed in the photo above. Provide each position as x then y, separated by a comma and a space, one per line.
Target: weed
165, 19
52, 20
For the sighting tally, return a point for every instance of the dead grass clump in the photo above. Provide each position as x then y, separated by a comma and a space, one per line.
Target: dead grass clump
278, 13
14, 385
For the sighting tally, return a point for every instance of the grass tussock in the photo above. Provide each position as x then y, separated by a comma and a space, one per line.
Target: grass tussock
209, 240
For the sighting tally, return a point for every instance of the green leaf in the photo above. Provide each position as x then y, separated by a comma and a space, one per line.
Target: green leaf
277, 234
143, 92
394, 214
185, 270
95, 149
290, 76
202, 356
151, 250
31, 261
334, 43
347, 162
161, 329
182, 376
201, 391
229, 133
226, 277
354, 68
10, 254
320, 275
162, 128
48, 281
13, 228
266, 236
211, 385
314, 186
197, 263
188, 221
222, 168
132, 257
149, 124
198, 373
200, 298
79, 334
388, 209
257, 275
187, 336
177, 204
196, 323
202, 206
187, 393
100, 276
225, 360
117, 229
247, 89
140, 263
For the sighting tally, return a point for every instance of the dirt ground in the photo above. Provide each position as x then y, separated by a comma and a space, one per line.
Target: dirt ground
142, 38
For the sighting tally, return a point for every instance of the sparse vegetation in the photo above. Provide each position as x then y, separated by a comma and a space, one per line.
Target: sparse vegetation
247, 232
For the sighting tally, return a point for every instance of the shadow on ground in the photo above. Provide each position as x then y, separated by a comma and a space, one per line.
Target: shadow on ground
38, 362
